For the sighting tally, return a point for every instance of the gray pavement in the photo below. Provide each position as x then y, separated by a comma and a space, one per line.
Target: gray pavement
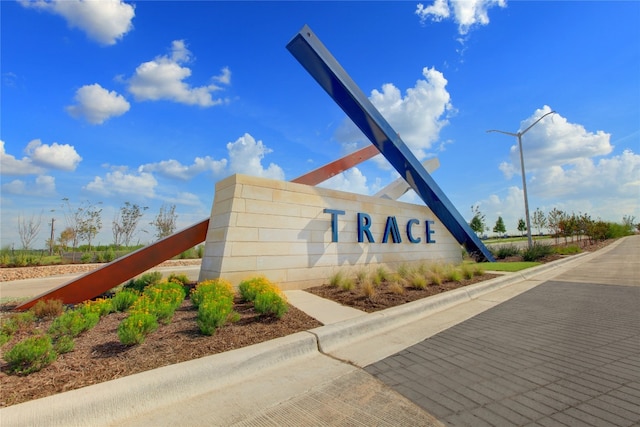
566, 352
536, 348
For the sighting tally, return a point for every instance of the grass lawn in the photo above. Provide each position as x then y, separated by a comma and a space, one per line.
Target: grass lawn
510, 266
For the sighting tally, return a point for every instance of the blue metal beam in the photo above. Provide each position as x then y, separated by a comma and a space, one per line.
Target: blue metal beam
324, 68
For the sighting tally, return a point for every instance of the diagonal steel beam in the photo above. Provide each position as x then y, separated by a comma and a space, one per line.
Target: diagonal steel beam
326, 70
329, 170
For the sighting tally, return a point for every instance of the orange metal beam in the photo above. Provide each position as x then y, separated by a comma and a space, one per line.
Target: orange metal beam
325, 172
99, 281
119, 271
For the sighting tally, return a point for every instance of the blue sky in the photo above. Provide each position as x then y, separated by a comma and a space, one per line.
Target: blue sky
153, 102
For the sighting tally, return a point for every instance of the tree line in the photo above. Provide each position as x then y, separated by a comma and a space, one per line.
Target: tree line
83, 222
560, 224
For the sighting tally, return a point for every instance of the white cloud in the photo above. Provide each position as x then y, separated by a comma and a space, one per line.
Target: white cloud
466, 14
122, 183
97, 104
40, 157
351, 181
174, 169
54, 156
105, 21
163, 79
43, 185
245, 157
617, 176
418, 116
12, 166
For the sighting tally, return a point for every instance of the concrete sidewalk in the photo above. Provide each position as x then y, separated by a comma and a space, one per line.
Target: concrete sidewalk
309, 378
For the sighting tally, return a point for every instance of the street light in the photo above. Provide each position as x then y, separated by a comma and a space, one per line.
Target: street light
524, 179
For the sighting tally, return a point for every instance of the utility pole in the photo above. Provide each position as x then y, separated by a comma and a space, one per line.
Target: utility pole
524, 179
51, 241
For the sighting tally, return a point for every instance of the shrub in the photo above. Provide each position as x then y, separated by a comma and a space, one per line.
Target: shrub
404, 271
505, 251
435, 277
453, 274
135, 328
143, 281
266, 296
11, 325
214, 299
100, 306
347, 284
567, 250
271, 302
86, 258
336, 278
64, 344
73, 323
44, 309
397, 288
417, 280
381, 275
467, 271
30, 355
250, 288
362, 276
163, 300
179, 278
124, 299
212, 289
536, 252
368, 290
4, 338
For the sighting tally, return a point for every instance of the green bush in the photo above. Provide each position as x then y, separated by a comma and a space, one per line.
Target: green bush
12, 324
567, 250
124, 299
73, 323
212, 289
536, 252
135, 328
267, 297
64, 344
250, 288
164, 299
4, 338
45, 309
100, 306
30, 355
214, 313
143, 281
271, 302
179, 278
505, 251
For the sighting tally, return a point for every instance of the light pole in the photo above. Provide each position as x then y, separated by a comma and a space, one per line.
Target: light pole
524, 179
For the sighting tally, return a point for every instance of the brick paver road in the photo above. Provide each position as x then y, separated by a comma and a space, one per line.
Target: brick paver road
563, 353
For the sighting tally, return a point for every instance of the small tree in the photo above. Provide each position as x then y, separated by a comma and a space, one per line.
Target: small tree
555, 217
165, 222
499, 227
539, 220
477, 222
91, 223
125, 223
67, 235
28, 230
522, 226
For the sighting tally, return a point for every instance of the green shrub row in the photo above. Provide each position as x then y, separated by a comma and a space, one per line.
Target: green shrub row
214, 300
266, 297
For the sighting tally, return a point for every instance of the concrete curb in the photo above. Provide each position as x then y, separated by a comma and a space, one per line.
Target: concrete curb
114, 401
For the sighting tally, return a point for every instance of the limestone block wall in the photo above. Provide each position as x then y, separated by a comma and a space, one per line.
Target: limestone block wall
283, 231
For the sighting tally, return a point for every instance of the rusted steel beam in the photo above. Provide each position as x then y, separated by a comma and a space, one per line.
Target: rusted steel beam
325, 172
119, 271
